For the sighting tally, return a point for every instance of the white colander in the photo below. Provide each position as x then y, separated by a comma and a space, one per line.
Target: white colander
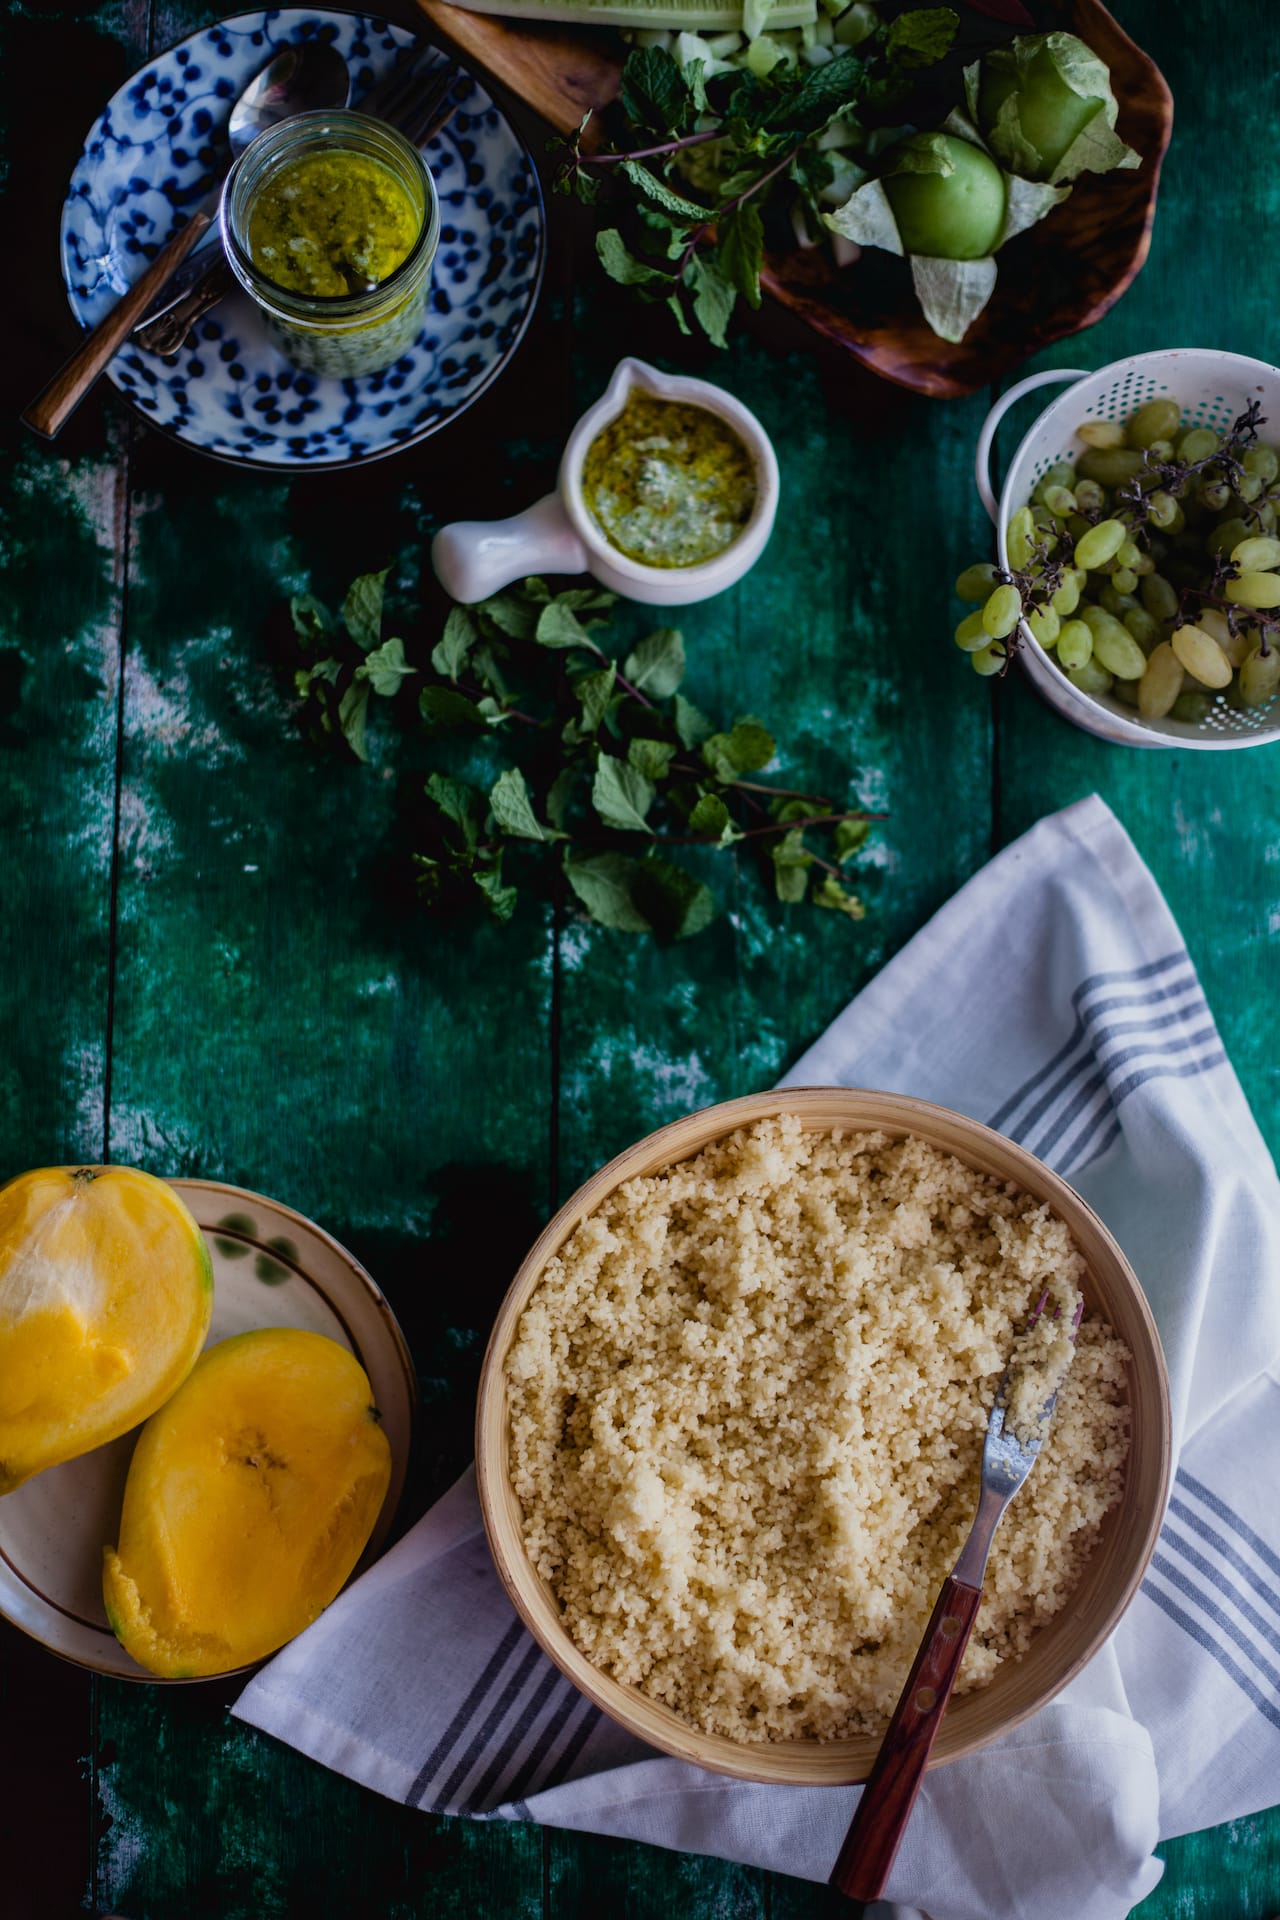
1211, 388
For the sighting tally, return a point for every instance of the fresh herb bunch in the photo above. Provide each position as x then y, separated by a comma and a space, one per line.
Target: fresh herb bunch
552, 747
706, 149
1151, 567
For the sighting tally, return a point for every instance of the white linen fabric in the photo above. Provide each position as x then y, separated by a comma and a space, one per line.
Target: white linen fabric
1054, 999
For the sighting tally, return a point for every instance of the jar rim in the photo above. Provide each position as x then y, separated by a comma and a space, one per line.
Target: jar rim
274, 141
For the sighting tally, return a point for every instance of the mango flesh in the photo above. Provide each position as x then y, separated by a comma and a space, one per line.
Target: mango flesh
106, 1288
250, 1497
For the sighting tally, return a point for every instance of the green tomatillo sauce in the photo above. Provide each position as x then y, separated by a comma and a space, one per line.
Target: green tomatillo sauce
669, 484
332, 224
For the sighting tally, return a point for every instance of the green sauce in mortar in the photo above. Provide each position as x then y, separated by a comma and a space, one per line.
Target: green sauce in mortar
669, 484
332, 224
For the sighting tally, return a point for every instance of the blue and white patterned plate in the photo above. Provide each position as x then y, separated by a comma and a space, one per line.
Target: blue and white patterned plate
231, 393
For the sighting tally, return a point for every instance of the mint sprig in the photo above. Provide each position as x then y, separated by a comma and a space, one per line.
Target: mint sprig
565, 768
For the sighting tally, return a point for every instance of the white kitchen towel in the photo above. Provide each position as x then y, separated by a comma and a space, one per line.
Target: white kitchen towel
1054, 999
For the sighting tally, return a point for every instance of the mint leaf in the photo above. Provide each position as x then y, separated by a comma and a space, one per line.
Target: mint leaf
443, 709
655, 94
652, 758
595, 691
449, 655
830, 893
604, 883
741, 250
675, 904
513, 809
386, 668
558, 797
513, 613
661, 194
692, 725
484, 664
848, 837
311, 618
558, 626
922, 39
502, 900
459, 802
745, 749
621, 264
791, 863
656, 666
353, 709
621, 796
711, 816
362, 608
713, 297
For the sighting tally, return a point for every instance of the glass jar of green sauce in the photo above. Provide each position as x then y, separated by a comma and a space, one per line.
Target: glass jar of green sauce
330, 221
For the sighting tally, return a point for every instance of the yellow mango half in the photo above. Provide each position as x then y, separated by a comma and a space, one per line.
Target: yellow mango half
249, 1500
105, 1294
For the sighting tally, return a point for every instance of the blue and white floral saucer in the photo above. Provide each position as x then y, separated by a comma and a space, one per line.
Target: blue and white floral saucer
231, 393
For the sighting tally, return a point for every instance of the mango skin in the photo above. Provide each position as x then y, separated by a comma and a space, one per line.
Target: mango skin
106, 1289
250, 1498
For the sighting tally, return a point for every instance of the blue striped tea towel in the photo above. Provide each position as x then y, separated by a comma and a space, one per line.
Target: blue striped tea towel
1053, 997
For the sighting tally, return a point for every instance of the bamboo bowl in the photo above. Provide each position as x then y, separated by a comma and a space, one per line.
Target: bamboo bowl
1110, 1578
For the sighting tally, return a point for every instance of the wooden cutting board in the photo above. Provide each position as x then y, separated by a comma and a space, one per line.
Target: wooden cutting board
1057, 279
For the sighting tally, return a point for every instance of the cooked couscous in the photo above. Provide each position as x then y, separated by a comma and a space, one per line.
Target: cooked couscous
748, 1401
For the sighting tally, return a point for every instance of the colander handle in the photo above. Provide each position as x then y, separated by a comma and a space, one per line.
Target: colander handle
982, 460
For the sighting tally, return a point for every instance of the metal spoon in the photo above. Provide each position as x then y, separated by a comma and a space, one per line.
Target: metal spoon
306, 75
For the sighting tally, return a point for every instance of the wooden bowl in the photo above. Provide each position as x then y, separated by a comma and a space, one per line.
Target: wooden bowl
1110, 1578
1055, 280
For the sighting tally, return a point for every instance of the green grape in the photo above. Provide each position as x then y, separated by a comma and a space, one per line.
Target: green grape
1100, 544
971, 634
976, 582
1264, 514
1264, 461
1260, 676
1113, 600
1045, 625
1101, 433
1090, 497
1162, 507
1214, 495
1161, 452
1192, 707
1066, 598
1228, 535
1112, 466
1018, 537
1156, 420
989, 659
1075, 644
1125, 580
1198, 443
1077, 525
1256, 555
1090, 678
1161, 682
1144, 627
1126, 691
1128, 553
1144, 564
1002, 612
1060, 474
1061, 501
1158, 597
1254, 590
1201, 655
1115, 648
1247, 487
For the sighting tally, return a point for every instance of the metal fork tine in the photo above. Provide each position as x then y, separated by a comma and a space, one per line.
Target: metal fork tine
432, 117
386, 96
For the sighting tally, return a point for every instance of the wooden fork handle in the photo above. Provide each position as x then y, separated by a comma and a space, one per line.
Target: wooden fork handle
55, 404
889, 1795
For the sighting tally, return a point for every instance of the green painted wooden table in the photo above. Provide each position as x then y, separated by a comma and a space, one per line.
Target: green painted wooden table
208, 967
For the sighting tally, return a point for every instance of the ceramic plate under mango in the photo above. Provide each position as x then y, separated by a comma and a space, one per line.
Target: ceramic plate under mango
271, 1268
